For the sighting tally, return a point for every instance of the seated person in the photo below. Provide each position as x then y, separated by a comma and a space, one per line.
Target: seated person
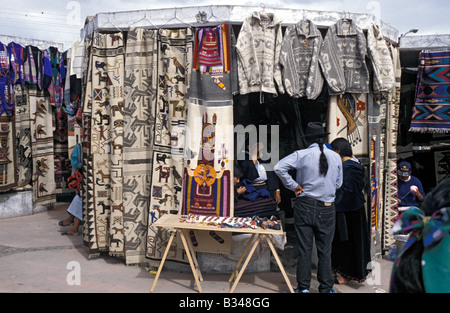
253, 170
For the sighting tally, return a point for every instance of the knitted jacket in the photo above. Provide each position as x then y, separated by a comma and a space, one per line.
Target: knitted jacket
383, 68
342, 58
299, 60
258, 48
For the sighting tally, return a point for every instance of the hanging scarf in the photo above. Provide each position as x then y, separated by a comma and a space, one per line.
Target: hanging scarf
433, 232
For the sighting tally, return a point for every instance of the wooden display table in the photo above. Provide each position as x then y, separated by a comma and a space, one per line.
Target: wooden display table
174, 221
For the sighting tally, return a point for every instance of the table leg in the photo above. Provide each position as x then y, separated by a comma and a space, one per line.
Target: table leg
169, 243
275, 254
250, 254
194, 258
188, 254
236, 269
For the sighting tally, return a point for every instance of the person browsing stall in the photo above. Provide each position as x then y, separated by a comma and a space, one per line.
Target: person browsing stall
318, 176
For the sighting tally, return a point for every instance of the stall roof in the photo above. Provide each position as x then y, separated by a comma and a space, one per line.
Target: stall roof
213, 14
41, 44
410, 47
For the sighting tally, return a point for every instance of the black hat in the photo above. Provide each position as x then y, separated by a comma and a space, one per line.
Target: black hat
315, 130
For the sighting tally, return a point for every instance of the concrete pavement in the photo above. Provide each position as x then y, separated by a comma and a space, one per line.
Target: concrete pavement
35, 258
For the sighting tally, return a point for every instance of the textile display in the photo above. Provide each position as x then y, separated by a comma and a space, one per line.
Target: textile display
106, 135
208, 183
41, 119
207, 177
347, 116
258, 45
299, 60
342, 58
378, 52
431, 113
377, 128
23, 135
139, 121
174, 63
392, 114
8, 154
61, 150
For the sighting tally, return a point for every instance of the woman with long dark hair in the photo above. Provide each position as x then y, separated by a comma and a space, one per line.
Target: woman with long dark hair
351, 244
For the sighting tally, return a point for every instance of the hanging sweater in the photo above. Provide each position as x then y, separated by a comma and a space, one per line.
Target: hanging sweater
6, 86
258, 47
16, 56
299, 60
383, 68
342, 58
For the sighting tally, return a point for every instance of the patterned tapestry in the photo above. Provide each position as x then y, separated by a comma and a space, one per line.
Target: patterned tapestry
208, 168
139, 117
63, 168
41, 124
104, 172
23, 136
377, 121
431, 112
347, 116
392, 114
174, 59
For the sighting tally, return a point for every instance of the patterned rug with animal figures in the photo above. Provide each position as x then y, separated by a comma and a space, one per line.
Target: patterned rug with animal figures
139, 118
174, 51
41, 124
104, 177
23, 144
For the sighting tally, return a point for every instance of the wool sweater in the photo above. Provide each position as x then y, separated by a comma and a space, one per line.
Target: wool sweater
299, 60
383, 68
342, 58
258, 48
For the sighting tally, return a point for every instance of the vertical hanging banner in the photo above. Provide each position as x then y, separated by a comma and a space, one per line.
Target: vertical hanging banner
174, 64
139, 118
106, 133
43, 178
208, 170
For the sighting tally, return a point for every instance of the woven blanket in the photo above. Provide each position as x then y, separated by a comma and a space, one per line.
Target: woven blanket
431, 112
43, 179
106, 137
63, 168
139, 118
8, 155
23, 144
174, 63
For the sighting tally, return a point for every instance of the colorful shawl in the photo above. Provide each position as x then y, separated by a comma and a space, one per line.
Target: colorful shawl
433, 233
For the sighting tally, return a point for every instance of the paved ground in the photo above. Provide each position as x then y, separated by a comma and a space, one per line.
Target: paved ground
35, 258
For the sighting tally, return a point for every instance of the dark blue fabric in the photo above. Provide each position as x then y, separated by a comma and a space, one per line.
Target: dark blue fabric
251, 193
350, 196
406, 197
